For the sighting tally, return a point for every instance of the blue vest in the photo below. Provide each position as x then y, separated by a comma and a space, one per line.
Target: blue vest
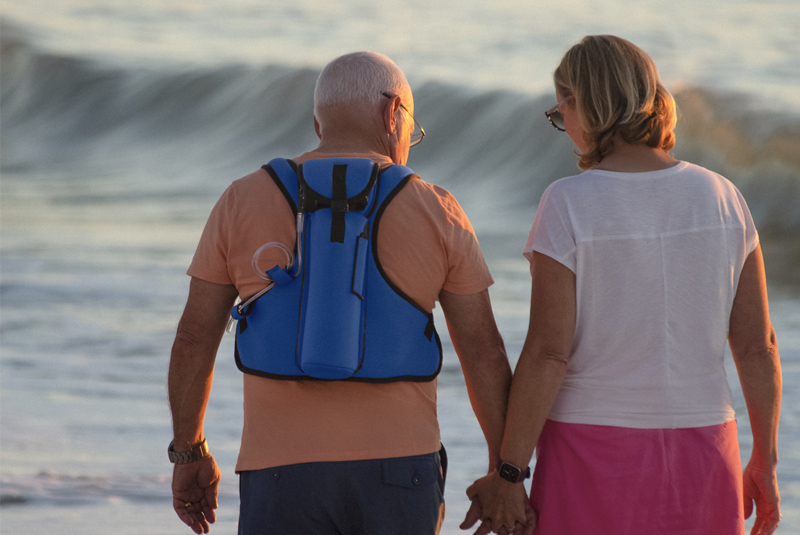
334, 314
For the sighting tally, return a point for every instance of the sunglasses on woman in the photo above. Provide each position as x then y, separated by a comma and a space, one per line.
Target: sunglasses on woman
555, 117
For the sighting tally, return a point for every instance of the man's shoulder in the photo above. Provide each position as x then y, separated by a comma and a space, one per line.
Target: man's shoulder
431, 194
257, 180
425, 189
420, 200
253, 191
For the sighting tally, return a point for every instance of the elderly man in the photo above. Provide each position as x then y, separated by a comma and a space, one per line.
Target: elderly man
339, 256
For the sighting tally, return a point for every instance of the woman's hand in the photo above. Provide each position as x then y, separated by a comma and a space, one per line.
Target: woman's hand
761, 487
501, 506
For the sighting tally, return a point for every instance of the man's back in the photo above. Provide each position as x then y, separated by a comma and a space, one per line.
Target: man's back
425, 244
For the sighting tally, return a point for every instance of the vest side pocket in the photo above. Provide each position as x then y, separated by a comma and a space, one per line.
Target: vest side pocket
360, 263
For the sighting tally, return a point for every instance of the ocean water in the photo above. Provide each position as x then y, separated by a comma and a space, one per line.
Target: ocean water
122, 122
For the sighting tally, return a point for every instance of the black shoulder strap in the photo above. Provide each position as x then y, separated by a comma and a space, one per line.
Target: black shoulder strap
334, 173
284, 173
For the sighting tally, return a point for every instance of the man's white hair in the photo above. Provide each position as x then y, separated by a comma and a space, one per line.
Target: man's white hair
359, 77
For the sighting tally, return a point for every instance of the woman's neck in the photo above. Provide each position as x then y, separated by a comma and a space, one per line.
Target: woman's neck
635, 158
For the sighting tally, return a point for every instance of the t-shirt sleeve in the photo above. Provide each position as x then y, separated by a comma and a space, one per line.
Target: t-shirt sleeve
750, 232
552, 232
210, 258
467, 272
426, 244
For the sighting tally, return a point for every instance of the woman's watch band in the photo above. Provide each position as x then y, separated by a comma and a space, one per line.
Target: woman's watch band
197, 452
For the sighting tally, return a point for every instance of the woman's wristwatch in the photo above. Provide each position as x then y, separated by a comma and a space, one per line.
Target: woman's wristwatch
511, 473
197, 452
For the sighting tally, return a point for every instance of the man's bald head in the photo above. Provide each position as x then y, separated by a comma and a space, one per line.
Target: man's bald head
358, 80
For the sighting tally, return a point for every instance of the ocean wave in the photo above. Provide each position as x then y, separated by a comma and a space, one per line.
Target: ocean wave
494, 148
54, 107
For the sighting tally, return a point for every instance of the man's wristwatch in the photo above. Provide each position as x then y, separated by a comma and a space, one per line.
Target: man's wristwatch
197, 452
511, 473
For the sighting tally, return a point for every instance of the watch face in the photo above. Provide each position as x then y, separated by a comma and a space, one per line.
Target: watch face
509, 473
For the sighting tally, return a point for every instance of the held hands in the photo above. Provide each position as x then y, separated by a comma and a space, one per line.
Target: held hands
502, 507
761, 487
194, 493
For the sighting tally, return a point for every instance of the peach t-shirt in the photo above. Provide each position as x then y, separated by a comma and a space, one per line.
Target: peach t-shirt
426, 244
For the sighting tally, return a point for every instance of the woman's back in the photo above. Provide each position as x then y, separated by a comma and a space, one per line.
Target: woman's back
657, 258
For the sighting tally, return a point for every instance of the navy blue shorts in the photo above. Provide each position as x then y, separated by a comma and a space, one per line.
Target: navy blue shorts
397, 496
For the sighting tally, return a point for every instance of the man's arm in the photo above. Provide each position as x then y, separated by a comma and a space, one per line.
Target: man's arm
484, 362
487, 374
755, 352
191, 370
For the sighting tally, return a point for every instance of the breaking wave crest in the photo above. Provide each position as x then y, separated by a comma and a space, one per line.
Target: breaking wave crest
495, 147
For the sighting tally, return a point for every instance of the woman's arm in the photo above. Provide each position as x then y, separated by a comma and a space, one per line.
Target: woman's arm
755, 352
537, 379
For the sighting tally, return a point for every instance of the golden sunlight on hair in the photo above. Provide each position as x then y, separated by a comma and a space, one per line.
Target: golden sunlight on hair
617, 93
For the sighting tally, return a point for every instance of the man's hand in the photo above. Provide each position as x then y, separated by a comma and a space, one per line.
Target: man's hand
502, 507
195, 487
761, 487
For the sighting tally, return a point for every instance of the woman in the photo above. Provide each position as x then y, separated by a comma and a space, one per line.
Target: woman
643, 268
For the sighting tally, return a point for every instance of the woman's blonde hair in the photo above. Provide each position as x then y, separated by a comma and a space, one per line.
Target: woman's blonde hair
617, 91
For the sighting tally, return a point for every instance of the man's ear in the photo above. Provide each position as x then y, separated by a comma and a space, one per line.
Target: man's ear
317, 128
390, 115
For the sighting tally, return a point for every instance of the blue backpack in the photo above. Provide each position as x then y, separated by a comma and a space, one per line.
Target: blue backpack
334, 314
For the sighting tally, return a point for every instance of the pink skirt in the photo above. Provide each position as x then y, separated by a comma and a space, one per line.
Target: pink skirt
592, 479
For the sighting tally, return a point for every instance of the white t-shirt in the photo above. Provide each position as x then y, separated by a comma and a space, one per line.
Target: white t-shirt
657, 258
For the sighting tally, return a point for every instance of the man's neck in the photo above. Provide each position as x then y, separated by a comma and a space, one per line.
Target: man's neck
318, 153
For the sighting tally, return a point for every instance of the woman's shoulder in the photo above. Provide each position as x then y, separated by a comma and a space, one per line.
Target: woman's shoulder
579, 184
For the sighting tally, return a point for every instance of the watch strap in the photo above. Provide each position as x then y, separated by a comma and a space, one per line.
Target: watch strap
197, 452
